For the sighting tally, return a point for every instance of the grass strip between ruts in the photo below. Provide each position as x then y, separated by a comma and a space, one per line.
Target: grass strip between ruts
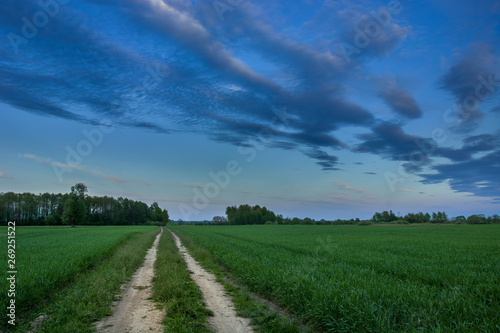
173, 287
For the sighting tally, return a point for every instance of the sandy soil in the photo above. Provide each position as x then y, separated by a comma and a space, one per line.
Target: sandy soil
225, 319
135, 312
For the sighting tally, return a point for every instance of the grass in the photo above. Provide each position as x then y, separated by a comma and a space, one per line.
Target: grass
263, 319
185, 311
72, 274
370, 279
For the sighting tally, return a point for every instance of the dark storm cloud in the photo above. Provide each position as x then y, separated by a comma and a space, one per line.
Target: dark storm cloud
470, 81
390, 141
401, 102
371, 34
325, 160
315, 139
477, 176
466, 171
321, 112
470, 145
36, 104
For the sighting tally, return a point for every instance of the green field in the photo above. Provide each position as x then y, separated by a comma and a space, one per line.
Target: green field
368, 279
47, 258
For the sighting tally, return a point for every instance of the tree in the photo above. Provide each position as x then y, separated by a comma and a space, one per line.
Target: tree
79, 190
385, 216
307, 220
75, 209
219, 220
439, 217
231, 213
53, 219
164, 216
156, 212
477, 219
377, 217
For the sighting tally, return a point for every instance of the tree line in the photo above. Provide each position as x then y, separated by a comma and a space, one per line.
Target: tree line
246, 214
77, 207
439, 217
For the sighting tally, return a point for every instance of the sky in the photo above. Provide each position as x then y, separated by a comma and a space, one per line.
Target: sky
321, 109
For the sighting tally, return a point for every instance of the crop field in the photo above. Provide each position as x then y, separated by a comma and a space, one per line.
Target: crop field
49, 257
370, 278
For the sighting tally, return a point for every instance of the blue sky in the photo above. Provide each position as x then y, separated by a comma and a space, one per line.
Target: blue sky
321, 109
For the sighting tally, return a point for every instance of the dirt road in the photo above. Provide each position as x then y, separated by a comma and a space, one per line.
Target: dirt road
225, 319
135, 312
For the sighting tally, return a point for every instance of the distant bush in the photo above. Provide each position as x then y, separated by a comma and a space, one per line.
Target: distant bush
365, 222
344, 222
158, 223
477, 219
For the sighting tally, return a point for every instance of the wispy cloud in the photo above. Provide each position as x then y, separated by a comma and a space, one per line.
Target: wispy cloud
248, 192
342, 199
347, 187
43, 160
198, 186
111, 178
81, 168
411, 191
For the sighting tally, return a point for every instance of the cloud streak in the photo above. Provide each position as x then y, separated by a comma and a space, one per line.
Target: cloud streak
347, 187
81, 168
401, 102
